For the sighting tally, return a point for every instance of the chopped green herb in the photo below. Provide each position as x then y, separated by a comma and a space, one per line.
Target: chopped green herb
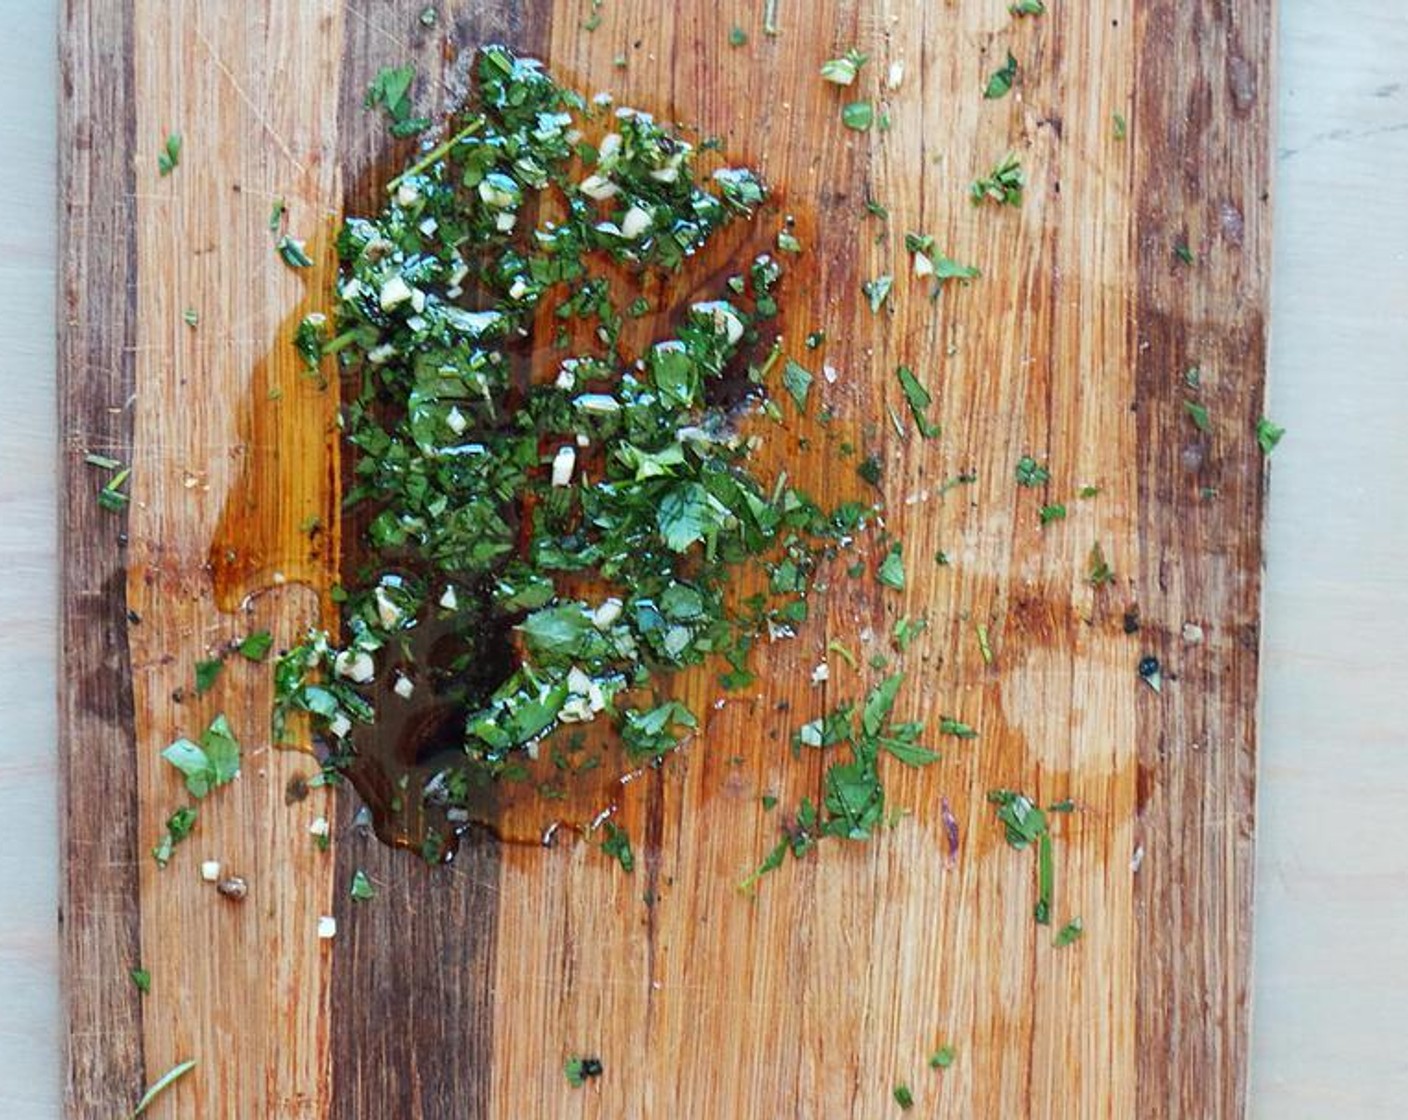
1068, 933
169, 157
578, 1070
1199, 415
617, 845
870, 469
179, 825
191, 316
276, 215
1184, 253
1027, 8
858, 115
1031, 473
160, 1085
1121, 127
1002, 185
111, 497
1054, 512
256, 646
429, 17
141, 980
906, 630
310, 339
957, 728
891, 571
361, 889
1000, 82
797, 380
207, 673
942, 1058
984, 643
1088, 491
842, 71
769, 802
212, 762
391, 89
904, 1097
1025, 825
877, 291
1098, 571
737, 37
294, 252
919, 400
1268, 435
787, 242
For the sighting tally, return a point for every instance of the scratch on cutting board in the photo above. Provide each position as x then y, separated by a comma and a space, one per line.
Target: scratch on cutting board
244, 96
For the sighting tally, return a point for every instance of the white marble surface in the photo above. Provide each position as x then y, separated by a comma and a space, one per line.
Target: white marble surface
1331, 1031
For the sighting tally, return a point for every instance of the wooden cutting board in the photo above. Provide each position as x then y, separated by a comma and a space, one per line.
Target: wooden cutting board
460, 992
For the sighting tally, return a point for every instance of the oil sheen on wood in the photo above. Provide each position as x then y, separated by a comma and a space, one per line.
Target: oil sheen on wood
1139, 254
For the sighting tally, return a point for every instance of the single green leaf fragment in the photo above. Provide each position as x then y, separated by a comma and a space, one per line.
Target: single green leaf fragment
1198, 413
179, 825
942, 1058
858, 115
984, 643
877, 291
141, 979
191, 316
919, 399
956, 727
169, 157
578, 1070
256, 646
112, 497
1098, 570
904, 1096
1121, 126
737, 37
361, 889
1003, 185
1268, 435
212, 762
276, 215
1184, 253
842, 71
1054, 512
797, 380
891, 570
294, 252
617, 845
160, 1085
1068, 933
1031, 473
207, 673
391, 89
769, 802
1001, 80
1027, 8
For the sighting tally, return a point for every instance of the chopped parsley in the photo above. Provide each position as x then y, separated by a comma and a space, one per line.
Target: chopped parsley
904, 1096
141, 980
1184, 253
179, 825
1198, 413
1054, 512
1121, 126
1027, 8
1002, 185
617, 845
842, 71
1098, 570
956, 727
160, 1085
1068, 933
1031, 473
1025, 825
942, 1058
877, 291
797, 380
256, 646
858, 115
579, 1070
919, 400
169, 158
737, 37
207, 673
1001, 80
391, 90
1268, 435
294, 252
891, 570
210, 763
361, 888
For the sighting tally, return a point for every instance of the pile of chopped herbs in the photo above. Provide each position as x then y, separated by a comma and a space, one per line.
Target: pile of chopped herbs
568, 529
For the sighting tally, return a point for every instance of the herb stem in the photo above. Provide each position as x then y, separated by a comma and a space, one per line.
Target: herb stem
436, 153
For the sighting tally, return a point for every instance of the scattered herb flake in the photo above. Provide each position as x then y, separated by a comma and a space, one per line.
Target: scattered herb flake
294, 252
1088, 491
1003, 185
161, 1084
842, 71
207, 673
169, 157
1121, 126
1053, 512
797, 380
904, 1097
769, 802
617, 845
1098, 571
1000, 82
737, 37
276, 215
984, 643
919, 400
1027, 8
179, 825
1198, 413
891, 570
361, 889
957, 728
942, 1058
1268, 435
877, 291
191, 316
141, 980
210, 763
1031, 473
578, 1070
1184, 253
1068, 933
256, 646
858, 115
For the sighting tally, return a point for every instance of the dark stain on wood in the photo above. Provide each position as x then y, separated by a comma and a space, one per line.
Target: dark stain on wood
99, 921
1200, 555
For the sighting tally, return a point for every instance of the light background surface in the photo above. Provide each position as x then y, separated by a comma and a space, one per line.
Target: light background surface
1331, 980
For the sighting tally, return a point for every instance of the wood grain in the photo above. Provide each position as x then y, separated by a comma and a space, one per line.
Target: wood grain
461, 992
